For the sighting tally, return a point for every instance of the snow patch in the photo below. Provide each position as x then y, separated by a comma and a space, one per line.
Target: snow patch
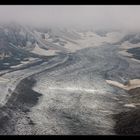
40, 51
129, 105
134, 83
3, 79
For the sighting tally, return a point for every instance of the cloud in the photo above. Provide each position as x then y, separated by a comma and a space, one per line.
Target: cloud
96, 16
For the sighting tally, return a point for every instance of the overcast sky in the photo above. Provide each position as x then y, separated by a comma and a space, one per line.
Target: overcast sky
98, 16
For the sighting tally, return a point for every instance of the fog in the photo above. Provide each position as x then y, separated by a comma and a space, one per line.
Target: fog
123, 17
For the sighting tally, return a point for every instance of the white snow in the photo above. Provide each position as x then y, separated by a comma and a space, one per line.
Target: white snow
31, 58
16, 66
40, 51
134, 83
127, 45
72, 89
125, 53
136, 60
22, 64
3, 79
25, 62
129, 105
91, 39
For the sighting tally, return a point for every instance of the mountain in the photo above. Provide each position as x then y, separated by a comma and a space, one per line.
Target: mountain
16, 45
133, 38
19, 44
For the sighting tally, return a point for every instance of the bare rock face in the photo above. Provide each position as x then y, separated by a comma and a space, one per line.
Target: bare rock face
128, 122
4, 51
15, 45
17, 35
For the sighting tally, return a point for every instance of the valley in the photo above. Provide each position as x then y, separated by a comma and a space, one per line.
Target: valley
78, 88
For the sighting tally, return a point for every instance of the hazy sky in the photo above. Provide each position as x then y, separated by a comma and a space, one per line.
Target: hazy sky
98, 16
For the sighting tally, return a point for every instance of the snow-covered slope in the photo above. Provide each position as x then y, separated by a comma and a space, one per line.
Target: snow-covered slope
40, 51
